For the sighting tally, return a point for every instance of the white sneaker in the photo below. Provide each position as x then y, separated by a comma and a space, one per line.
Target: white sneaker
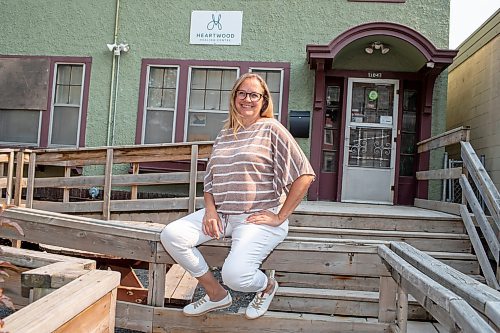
260, 303
204, 305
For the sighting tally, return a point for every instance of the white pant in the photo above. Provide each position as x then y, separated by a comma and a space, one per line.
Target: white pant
251, 244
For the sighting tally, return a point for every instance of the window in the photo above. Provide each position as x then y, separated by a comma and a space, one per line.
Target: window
273, 78
67, 105
45, 102
19, 127
188, 100
209, 92
160, 105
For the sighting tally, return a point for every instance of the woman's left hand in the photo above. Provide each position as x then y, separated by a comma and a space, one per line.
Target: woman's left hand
264, 217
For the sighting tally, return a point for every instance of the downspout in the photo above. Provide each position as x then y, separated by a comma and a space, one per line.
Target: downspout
112, 99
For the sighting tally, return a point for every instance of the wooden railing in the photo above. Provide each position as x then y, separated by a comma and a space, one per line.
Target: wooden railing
458, 302
7, 162
487, 191
109, 157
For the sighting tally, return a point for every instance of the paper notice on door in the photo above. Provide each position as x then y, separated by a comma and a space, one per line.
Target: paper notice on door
387, 120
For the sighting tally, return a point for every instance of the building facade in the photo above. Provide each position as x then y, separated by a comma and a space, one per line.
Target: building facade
358, 82
474, 91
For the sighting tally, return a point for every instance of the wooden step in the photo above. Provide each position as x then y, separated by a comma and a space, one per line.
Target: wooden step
424, 241
179, 286
374, 217
336, 302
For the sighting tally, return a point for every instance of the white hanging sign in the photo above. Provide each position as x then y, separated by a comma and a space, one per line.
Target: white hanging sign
216, 27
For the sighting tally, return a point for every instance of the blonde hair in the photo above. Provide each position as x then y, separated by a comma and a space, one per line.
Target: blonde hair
267, 111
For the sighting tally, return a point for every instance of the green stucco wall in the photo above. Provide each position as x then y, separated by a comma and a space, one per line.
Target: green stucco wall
273, 30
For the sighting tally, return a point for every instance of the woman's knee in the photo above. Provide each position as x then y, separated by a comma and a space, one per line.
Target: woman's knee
172, 236
238, 276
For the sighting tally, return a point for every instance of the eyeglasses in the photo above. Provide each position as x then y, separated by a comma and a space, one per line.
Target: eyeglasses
254, 97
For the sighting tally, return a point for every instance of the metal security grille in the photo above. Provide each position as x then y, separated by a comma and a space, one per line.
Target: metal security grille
452, 191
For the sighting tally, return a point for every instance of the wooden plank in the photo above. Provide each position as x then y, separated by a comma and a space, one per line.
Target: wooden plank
172, 280
134, 316
482, 257
455, 307
95, 241
96, 318
10, 176
339, 282
31, 179
451, 224
387, 300
108, 172
334, 302
474, 292
451, 173
19, 177
402, 310
482, 221
446, 242
35, 259
192, 179
77, 295
447, 207
444, 139
53, 276
118, 180
122, 154
156, 288
160, 204
184, 292
67, 174
172, 320
132, 229
133, 189
482, 180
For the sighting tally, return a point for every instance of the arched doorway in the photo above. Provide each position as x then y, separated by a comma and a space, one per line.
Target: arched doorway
372, 104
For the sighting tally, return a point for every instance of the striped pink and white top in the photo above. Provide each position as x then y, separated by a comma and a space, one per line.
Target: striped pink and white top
253, 170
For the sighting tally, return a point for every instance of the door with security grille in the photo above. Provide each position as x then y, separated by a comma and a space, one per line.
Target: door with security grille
370, 145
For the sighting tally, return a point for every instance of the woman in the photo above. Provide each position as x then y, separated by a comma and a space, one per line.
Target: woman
256, 177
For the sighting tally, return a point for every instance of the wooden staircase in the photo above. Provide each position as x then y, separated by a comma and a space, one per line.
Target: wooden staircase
440, 235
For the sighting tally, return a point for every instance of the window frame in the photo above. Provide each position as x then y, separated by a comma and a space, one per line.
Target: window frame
146, 95
53, 104
44, 122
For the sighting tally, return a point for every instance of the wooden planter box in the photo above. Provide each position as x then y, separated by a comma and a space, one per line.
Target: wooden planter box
64, 294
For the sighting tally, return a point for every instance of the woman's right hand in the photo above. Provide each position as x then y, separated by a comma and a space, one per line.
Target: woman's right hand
212, 224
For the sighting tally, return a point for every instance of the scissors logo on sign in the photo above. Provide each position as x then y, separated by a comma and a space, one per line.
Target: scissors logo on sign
214, 23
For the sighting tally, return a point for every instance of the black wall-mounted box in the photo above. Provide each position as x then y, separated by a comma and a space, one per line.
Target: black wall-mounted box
299, 123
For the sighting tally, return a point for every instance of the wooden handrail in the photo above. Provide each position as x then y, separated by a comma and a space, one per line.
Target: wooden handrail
485, 185
450, 137
454, 310
482, 298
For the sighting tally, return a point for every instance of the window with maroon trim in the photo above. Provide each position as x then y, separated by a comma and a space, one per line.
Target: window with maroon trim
66, 104
160, 105
50, 110
188, 100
